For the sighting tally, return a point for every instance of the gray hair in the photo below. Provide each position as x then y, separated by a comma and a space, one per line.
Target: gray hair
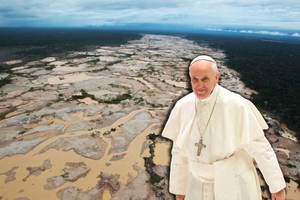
206, 58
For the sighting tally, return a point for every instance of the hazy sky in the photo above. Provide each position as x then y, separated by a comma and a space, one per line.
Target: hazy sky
197, 13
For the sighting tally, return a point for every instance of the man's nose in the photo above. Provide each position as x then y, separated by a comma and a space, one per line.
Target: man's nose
199, 84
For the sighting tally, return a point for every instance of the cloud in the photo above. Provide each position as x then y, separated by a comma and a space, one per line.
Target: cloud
274, 33
127, 4
296, 34
281, 14
260, 32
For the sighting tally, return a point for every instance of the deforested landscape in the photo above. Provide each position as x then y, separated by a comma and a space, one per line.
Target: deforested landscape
82, 110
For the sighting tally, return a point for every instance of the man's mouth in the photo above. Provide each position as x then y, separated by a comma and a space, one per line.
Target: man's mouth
201, 91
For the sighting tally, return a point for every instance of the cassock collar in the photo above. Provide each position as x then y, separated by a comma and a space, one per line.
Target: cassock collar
211, 98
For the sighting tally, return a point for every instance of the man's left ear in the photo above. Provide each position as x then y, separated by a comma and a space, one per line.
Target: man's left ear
218, 76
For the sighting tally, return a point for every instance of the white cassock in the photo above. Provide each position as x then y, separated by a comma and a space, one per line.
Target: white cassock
234, 136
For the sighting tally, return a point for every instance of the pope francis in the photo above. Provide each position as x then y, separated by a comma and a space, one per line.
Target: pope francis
218, 141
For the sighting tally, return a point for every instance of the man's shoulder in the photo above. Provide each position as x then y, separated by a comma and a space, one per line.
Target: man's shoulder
232, 98
186, 100
189, 98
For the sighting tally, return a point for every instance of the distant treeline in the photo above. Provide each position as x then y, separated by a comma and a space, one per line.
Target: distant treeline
30, 44
271, 66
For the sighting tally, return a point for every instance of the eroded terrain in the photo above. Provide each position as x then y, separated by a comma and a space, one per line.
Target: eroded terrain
85, 126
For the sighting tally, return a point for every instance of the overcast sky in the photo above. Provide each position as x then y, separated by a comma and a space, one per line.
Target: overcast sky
197, 13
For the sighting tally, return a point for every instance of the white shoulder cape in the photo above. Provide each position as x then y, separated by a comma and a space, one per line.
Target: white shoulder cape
235, 119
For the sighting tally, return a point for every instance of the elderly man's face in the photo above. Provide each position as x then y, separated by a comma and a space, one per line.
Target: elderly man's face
203, 78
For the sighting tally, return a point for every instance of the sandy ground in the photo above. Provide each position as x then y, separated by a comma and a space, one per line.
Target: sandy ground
36, 183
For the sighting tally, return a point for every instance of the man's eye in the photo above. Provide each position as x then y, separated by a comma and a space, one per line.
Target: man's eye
205, 79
